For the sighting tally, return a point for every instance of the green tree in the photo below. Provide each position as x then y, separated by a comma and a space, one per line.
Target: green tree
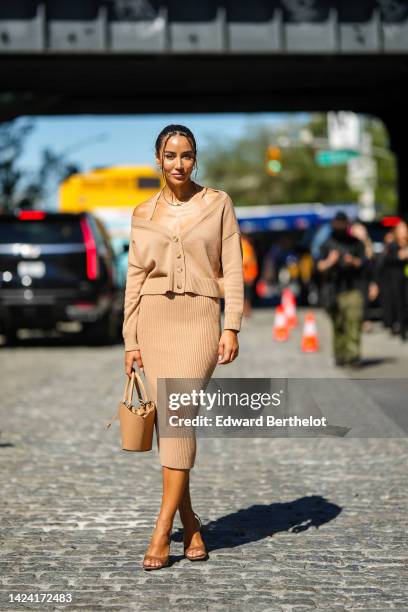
13, 135
238, 167
20, 188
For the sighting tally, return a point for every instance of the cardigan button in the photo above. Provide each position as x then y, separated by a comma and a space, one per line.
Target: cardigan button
178, 255
175, 238
179, 286
179, 269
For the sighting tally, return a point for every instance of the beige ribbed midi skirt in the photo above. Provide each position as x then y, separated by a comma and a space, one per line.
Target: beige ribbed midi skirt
178, 335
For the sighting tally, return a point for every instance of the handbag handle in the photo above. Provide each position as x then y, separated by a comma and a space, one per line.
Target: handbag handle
129, 380
135, 381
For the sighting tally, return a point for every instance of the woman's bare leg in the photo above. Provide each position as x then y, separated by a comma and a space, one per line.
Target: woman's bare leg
192, 536
174, 483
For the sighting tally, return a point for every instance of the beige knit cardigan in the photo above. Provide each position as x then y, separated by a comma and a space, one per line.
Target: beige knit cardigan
205, 258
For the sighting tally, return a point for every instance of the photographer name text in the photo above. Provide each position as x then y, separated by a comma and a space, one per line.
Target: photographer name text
260, 421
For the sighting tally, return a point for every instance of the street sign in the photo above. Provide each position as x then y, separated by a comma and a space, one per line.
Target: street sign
343, 130
362, 173
334, 158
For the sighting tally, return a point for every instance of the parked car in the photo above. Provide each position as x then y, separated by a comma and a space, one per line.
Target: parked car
58, 267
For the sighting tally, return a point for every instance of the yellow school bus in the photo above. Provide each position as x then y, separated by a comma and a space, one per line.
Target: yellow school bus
110, 193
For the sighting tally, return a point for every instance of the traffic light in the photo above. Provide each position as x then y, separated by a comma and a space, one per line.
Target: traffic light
273, 160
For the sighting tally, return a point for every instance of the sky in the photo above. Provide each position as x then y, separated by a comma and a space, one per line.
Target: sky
129, 139
105, 140
93, 141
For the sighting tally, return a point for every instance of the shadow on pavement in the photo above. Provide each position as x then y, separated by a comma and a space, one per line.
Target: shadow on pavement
375, 361
261, 521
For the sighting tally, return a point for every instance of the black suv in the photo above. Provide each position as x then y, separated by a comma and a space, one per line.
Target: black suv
58, 267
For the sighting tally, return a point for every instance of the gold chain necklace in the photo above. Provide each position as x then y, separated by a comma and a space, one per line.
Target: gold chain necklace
180, 203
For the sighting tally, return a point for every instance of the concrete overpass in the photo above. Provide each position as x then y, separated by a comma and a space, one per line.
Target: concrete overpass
138, 56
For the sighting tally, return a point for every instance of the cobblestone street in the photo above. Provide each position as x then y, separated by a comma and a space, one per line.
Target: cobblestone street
290, 524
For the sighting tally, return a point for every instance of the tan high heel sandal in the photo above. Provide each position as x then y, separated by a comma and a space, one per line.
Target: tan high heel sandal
204, 554
163, 561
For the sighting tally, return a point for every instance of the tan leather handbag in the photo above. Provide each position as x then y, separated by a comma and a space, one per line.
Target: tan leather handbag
136, 424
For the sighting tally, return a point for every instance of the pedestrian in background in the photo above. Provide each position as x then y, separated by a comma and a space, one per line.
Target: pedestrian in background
341, 263
381, 275
396, 263
369, 285
250, 269
185, 253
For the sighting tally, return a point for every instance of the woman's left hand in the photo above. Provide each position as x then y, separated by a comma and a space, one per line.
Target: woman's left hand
228, 347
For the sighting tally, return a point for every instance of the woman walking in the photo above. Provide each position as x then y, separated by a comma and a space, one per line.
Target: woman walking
185, 253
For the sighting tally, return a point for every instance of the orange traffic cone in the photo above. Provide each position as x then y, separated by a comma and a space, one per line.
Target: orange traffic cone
287, 295
280, 330
289, 304
310, 341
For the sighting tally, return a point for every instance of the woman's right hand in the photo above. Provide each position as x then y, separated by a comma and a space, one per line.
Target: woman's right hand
130, 357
